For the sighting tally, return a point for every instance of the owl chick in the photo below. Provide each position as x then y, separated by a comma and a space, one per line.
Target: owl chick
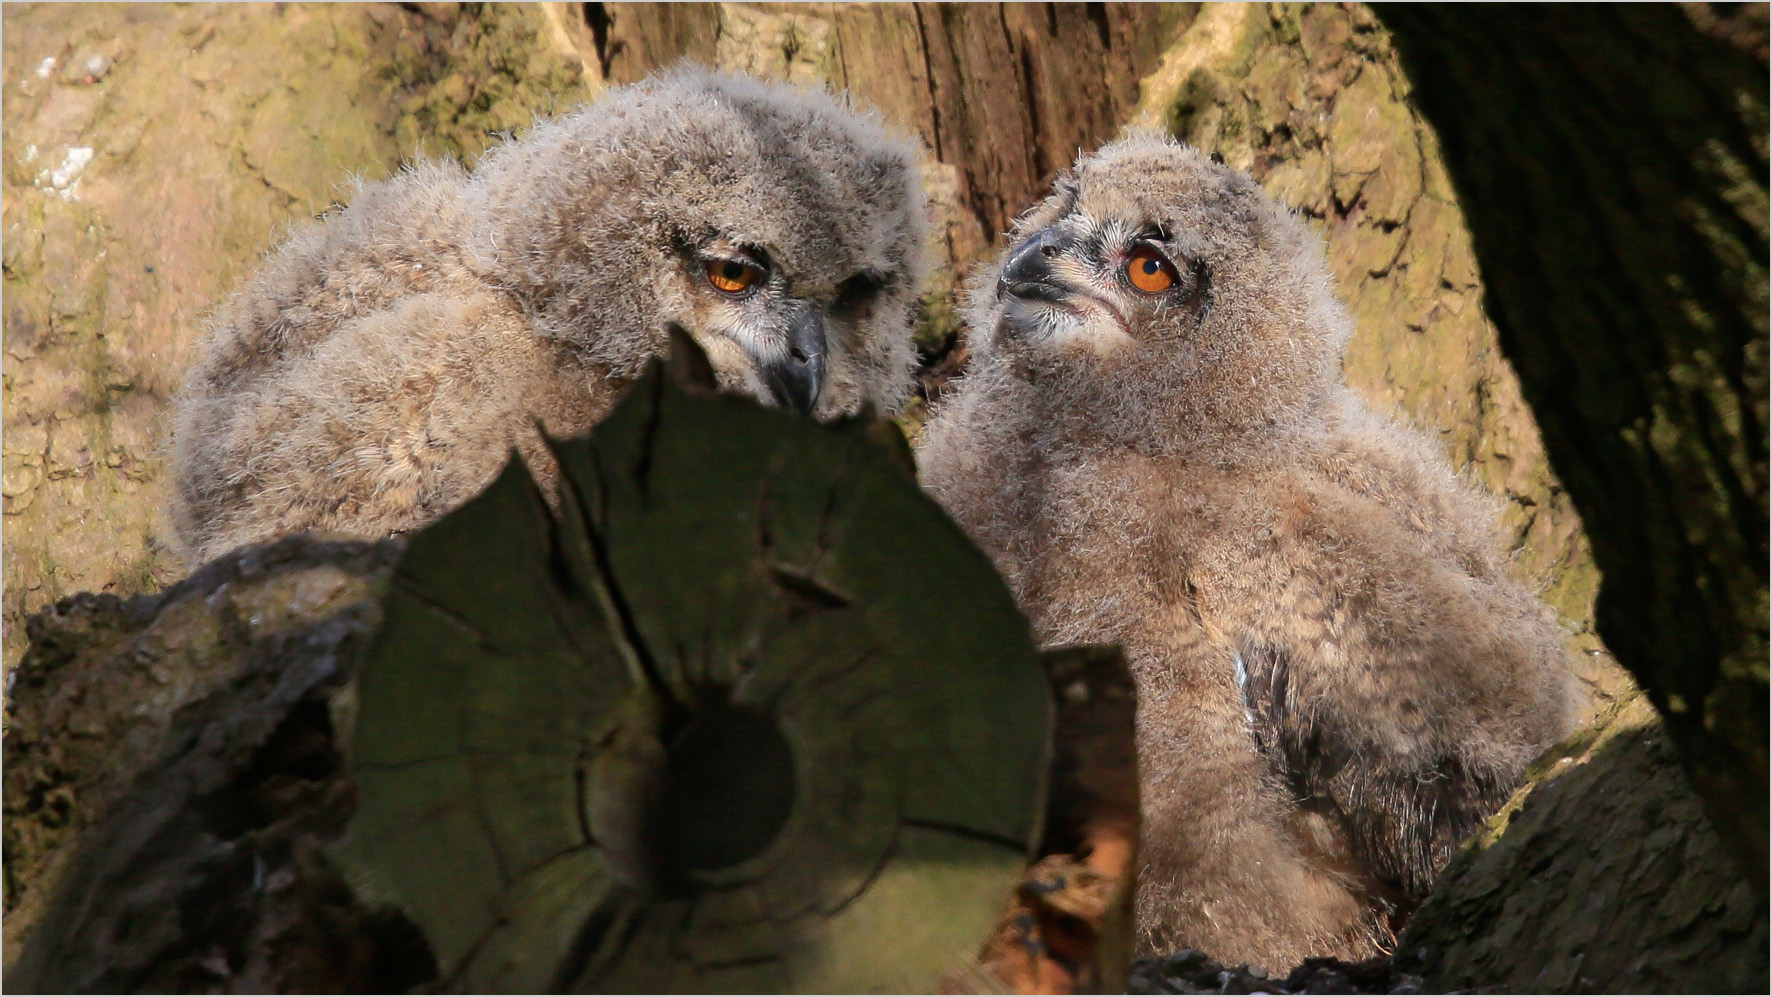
1337, 679
383, 361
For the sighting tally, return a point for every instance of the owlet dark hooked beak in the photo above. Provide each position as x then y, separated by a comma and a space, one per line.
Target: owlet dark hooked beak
1029, 274
795, 376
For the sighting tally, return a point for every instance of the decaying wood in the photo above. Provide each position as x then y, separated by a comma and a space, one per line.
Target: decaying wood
171, 780
1069, 928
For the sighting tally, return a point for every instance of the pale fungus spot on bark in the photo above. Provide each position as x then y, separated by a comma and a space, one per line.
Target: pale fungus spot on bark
65, 179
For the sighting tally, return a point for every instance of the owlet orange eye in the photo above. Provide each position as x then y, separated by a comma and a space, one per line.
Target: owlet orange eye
731, 276
1149, 271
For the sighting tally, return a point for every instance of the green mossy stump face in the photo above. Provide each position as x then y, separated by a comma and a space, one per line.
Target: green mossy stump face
748, 714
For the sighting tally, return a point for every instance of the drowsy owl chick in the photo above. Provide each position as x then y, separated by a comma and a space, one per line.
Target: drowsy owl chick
381, 364
1337, 680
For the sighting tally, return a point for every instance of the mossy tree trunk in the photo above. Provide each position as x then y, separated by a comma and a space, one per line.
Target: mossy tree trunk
1614, 164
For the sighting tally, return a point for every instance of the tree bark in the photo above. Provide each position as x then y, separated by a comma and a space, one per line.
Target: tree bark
1002, 94
1614, 164
172, 779
1601, 875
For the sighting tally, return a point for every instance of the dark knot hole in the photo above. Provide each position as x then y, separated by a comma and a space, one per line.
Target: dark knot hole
728, 789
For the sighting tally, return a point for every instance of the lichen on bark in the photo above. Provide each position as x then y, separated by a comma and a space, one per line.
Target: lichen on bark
1615, 161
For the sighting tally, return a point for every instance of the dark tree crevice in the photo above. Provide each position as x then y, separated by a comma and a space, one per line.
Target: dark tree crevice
1616, 198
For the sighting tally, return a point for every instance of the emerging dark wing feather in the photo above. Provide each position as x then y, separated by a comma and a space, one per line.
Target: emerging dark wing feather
1403, 815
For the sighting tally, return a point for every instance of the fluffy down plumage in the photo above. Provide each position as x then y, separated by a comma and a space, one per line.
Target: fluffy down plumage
380, 365
1337, 678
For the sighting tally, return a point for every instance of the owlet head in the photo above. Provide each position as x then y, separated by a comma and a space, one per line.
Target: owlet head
782, 231
1163, 297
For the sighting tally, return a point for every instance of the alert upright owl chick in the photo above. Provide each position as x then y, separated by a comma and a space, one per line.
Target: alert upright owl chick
1337, 678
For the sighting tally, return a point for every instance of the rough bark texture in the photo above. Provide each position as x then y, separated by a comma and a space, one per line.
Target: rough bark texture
1070, 928
1601, 876
171, 778
1001, 94
1614, 164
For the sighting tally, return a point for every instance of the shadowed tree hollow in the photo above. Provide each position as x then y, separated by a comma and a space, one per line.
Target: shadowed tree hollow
1613, 165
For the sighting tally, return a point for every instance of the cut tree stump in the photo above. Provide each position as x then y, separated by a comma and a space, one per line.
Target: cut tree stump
740, 711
